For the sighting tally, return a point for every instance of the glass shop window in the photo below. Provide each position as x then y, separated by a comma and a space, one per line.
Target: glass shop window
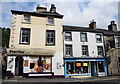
77, 67
40, 64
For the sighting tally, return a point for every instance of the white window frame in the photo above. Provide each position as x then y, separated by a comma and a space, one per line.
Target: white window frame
50, 20
51, 36
69, 50
68, 36
85, 50
100, 50
117, 42
27, 18
83, 37
21, 35
100, 37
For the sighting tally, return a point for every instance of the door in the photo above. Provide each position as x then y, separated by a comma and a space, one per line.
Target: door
19, 66
93, 70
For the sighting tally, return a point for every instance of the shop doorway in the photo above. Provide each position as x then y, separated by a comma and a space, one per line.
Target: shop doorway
19, 66
93, 71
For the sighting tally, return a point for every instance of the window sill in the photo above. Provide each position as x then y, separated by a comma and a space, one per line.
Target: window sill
50, 24
50, 44
25, 43
98, 42
26, 22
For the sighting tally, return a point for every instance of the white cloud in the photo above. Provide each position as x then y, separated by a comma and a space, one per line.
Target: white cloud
75, 12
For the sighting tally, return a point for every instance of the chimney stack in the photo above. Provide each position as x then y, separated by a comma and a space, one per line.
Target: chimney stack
41, 8
53, 8
112, 26
92, 24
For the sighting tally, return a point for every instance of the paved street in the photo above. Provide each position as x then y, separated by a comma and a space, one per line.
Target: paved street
89, 80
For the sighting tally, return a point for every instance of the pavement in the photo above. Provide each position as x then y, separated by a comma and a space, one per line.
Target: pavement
86, 79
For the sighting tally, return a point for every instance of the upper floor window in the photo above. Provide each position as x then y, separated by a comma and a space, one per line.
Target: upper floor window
85, 50
68, 36
98, 38
83, 37
100, 51
117, 41
25, 36
50, 20
50, 37
26, 18
68, 50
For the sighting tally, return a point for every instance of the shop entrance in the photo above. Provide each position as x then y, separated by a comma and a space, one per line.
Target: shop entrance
19, 66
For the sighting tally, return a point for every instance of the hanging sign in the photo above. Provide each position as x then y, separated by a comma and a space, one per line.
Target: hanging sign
85, 64
78, 64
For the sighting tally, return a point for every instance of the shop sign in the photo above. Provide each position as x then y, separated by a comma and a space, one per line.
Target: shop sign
18, 51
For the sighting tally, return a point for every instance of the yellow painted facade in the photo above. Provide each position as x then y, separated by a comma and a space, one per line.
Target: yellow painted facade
38, 27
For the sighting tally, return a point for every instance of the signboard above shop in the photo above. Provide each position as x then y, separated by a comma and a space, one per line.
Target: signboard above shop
30, 51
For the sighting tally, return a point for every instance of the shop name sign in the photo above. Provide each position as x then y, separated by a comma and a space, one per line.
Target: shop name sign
16, 51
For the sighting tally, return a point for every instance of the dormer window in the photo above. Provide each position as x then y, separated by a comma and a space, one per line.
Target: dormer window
26, 18
50, 20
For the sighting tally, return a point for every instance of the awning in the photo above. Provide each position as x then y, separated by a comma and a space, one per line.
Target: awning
29, 51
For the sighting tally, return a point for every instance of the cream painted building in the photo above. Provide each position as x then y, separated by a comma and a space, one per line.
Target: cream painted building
35, 47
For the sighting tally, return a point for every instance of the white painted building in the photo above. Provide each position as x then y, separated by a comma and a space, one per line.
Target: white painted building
84, 52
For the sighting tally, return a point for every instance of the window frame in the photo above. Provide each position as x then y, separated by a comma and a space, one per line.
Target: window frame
50, 44
71, 52
86, 40
102, 51
87, 50
117, 42
98, 38
50, 21
69, 36
26, 20
20, 40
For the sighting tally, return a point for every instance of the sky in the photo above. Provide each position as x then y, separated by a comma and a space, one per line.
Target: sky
76, 13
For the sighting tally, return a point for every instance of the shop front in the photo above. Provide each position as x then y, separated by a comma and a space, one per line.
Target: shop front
29, 62
85, 66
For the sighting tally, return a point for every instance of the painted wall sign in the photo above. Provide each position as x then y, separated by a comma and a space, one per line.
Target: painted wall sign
18, 51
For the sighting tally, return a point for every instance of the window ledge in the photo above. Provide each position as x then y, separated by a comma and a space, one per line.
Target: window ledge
50, 24
26, 22
50, 44
25, 43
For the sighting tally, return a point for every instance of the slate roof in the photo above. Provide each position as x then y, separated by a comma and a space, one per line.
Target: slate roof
39, 14
87, 29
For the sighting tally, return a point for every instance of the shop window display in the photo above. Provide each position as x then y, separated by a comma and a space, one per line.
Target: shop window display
77, 67
42, 64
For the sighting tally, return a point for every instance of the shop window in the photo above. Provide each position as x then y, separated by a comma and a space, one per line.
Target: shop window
100, 51
98, 38
43, 64
83, 37
68, 36
68, 50
50, 20
85, 50
25, 36
26, 18
50, 37
77, 67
